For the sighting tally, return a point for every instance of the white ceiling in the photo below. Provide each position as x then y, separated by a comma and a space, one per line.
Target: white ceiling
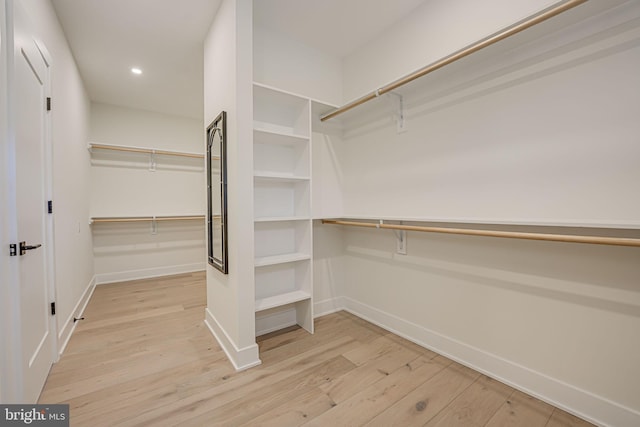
165, 37
162, 37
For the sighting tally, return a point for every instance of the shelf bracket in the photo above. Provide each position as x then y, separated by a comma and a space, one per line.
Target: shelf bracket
397, 102
401, 238
154, 226
401, 241
152, 161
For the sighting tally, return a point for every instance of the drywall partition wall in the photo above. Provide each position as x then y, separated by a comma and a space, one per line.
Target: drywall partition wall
289, 65
71, 170
125, 184
228, 87
541, 129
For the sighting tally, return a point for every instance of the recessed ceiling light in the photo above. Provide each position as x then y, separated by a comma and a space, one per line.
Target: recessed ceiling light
136, 70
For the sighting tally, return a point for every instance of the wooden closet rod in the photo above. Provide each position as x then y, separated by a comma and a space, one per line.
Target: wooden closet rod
145, 150
146, 218
466, 51
615, 241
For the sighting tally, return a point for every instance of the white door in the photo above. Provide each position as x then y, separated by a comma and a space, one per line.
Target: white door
31, 134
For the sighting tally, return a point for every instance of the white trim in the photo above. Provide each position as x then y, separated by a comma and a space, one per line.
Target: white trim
241, 359
586, 405
148, 273
69, 326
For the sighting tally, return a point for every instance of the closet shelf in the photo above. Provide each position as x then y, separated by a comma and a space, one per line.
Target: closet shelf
280, 300
274, 176
262, 135
277, 90
131, 149
279, 130
281, 219
281, 259
115, 219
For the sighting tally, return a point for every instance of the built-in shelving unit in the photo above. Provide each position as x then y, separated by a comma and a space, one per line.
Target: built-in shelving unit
282, 209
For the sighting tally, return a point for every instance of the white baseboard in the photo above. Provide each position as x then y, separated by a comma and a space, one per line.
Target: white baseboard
65, 332
241, 359
148, 273
328, 306
581, 403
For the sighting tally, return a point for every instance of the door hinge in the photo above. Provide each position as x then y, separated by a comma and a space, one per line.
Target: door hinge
13, 249
50, 206
48, 103
53, 308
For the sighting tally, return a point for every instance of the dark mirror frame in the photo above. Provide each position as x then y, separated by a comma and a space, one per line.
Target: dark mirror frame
219, 261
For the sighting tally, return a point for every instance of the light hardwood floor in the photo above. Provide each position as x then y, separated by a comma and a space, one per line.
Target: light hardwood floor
143, 356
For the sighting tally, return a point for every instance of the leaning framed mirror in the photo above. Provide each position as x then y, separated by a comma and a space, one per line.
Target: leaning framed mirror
217, 193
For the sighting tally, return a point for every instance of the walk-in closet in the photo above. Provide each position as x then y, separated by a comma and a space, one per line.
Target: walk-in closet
297, 212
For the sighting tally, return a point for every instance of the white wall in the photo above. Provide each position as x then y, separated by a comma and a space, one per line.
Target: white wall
410, 44
111, 124
526, 132
549, 140
123, 185
71, 183
329, 270
228, 87
327, 169
291, 66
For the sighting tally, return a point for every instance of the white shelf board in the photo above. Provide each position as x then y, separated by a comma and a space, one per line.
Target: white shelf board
276, 176
281, 259
268, 136
286, 92
276, 129
280, 300
282, 218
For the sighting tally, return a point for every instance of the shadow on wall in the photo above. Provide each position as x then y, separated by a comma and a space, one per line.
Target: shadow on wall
600, 277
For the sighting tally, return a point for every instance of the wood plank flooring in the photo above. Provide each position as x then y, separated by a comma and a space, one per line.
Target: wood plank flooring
143, 357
